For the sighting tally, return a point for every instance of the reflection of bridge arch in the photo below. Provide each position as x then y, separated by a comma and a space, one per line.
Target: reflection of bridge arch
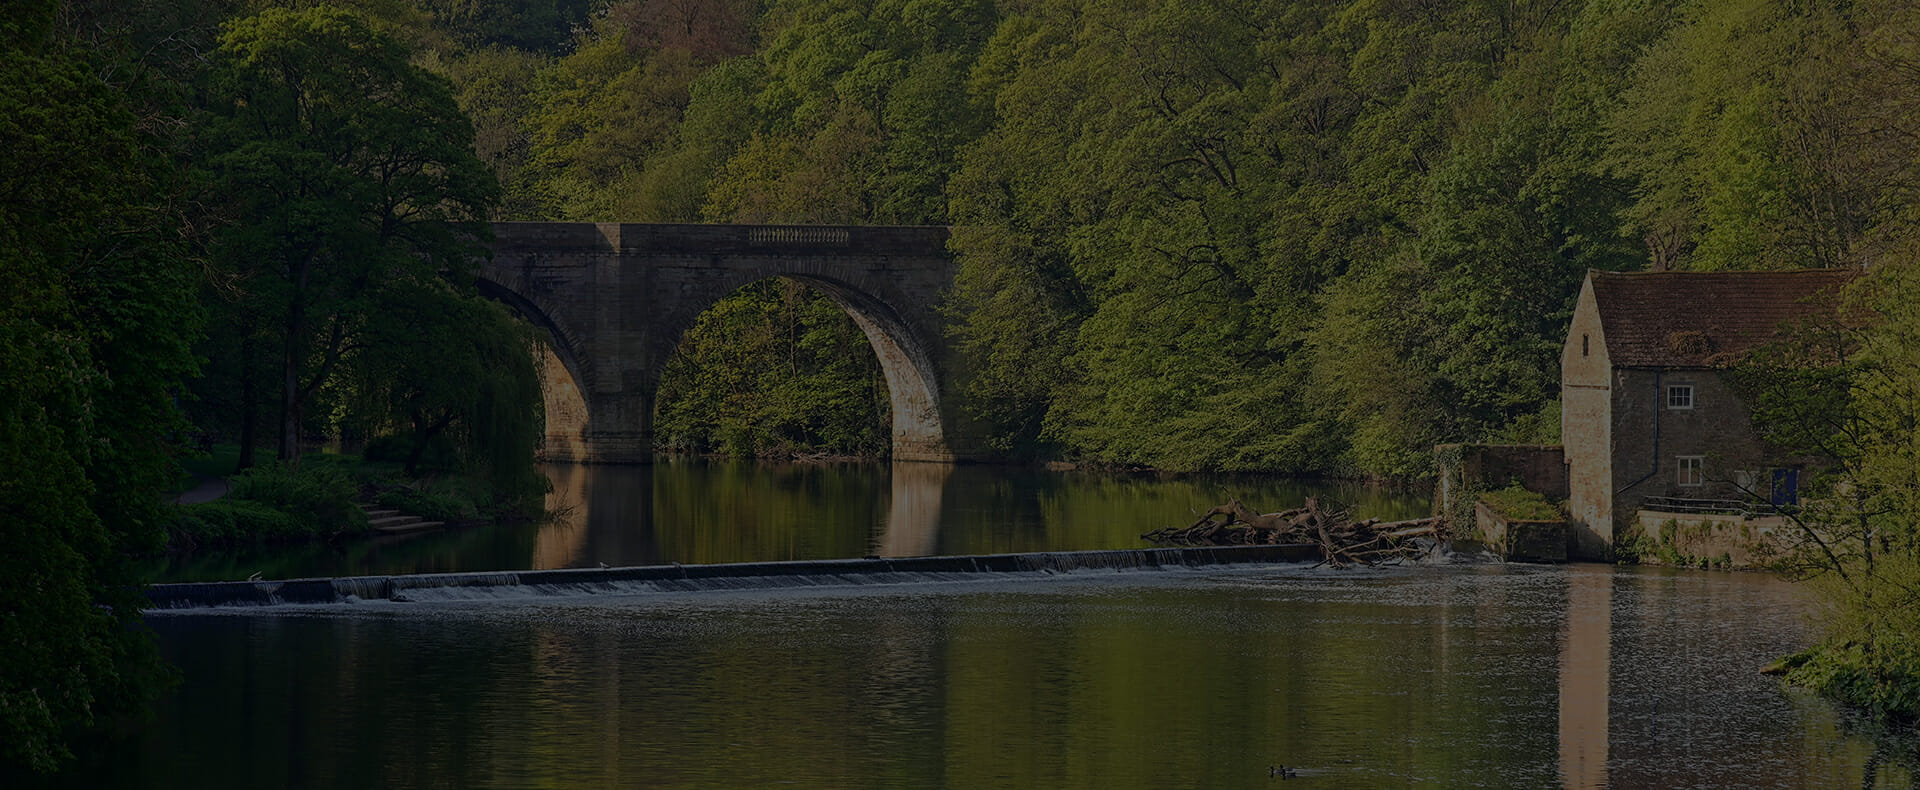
616, 299
638, 515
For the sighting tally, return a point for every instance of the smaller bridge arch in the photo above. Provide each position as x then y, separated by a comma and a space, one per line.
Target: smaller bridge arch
617, 298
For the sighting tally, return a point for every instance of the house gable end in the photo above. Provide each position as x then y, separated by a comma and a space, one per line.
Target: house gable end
1585, 357
1586, 409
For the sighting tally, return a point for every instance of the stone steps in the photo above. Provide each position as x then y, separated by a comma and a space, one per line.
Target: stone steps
390, 520
413, 526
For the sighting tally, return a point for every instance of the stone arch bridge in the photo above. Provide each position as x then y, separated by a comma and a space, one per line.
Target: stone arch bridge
616, 298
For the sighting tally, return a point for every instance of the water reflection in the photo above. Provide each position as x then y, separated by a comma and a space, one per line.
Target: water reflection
1494, 676
1659, 687
702, 511
913, 510
1584, 672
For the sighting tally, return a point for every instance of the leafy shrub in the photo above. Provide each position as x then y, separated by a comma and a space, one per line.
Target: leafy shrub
320, 497
1883, 682
234, 520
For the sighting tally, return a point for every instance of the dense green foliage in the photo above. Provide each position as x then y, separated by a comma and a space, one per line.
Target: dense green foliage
234, 520
96, 318
1881, 676
1847, 391
319, 500
283, 168
767, 372
347, 174
447, 369
1239, 234
350, 204
275, 502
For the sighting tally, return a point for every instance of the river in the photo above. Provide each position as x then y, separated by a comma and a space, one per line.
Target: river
1431, 675
693, 510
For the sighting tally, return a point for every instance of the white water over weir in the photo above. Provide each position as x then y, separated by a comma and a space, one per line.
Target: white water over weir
499, 585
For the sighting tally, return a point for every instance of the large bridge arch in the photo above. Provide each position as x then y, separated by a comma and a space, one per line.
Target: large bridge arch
617, 299
563, 372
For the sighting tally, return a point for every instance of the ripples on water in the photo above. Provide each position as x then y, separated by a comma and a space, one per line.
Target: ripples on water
1425, 676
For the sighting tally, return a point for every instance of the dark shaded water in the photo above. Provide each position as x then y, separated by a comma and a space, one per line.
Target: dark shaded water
701, 511
1423, 676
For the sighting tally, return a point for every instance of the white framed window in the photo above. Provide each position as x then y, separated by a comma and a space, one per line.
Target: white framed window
1692, 470
1680, 396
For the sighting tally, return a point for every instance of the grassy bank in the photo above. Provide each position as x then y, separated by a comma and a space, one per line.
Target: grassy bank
321, 498
1880, 680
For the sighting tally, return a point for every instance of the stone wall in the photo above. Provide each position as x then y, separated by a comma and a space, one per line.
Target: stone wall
1702, 540
1520, 541
1466, 469
566, 412
1650, 438
1586, 393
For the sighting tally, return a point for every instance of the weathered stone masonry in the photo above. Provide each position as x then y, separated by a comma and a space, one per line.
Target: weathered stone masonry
1636, 337
616, 299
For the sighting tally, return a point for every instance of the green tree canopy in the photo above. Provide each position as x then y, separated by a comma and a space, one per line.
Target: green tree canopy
1312, 236
95, 324
341, 168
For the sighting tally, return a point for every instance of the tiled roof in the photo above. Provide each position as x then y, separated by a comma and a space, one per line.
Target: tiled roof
1702, 319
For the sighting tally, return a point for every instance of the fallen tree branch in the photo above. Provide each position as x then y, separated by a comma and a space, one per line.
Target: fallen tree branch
1343, 541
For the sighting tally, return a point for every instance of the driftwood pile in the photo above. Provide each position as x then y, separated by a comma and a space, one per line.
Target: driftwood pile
1342, 540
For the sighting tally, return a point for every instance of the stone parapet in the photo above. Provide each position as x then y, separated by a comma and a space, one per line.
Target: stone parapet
868, 240
1465, 469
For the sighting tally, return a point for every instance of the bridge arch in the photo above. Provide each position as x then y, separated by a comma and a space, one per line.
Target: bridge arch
564, 375
906, 360
617, 299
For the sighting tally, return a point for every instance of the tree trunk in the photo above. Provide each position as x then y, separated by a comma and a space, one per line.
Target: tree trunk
249, 405
423, 432
290, 406
290, 367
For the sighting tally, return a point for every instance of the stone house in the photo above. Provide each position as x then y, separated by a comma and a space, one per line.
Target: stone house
1647, 421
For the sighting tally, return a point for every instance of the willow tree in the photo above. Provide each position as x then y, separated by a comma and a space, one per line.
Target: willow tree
443, 365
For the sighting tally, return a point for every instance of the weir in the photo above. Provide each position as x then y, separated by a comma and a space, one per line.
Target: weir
505, 585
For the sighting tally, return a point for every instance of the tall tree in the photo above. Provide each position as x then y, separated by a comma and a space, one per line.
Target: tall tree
95, 324
341, 167
1749, 132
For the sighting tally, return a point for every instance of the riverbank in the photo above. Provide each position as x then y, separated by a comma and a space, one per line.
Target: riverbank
326, 497
1881, 681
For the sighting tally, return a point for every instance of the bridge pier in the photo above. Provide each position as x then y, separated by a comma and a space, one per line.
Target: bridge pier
619, 429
